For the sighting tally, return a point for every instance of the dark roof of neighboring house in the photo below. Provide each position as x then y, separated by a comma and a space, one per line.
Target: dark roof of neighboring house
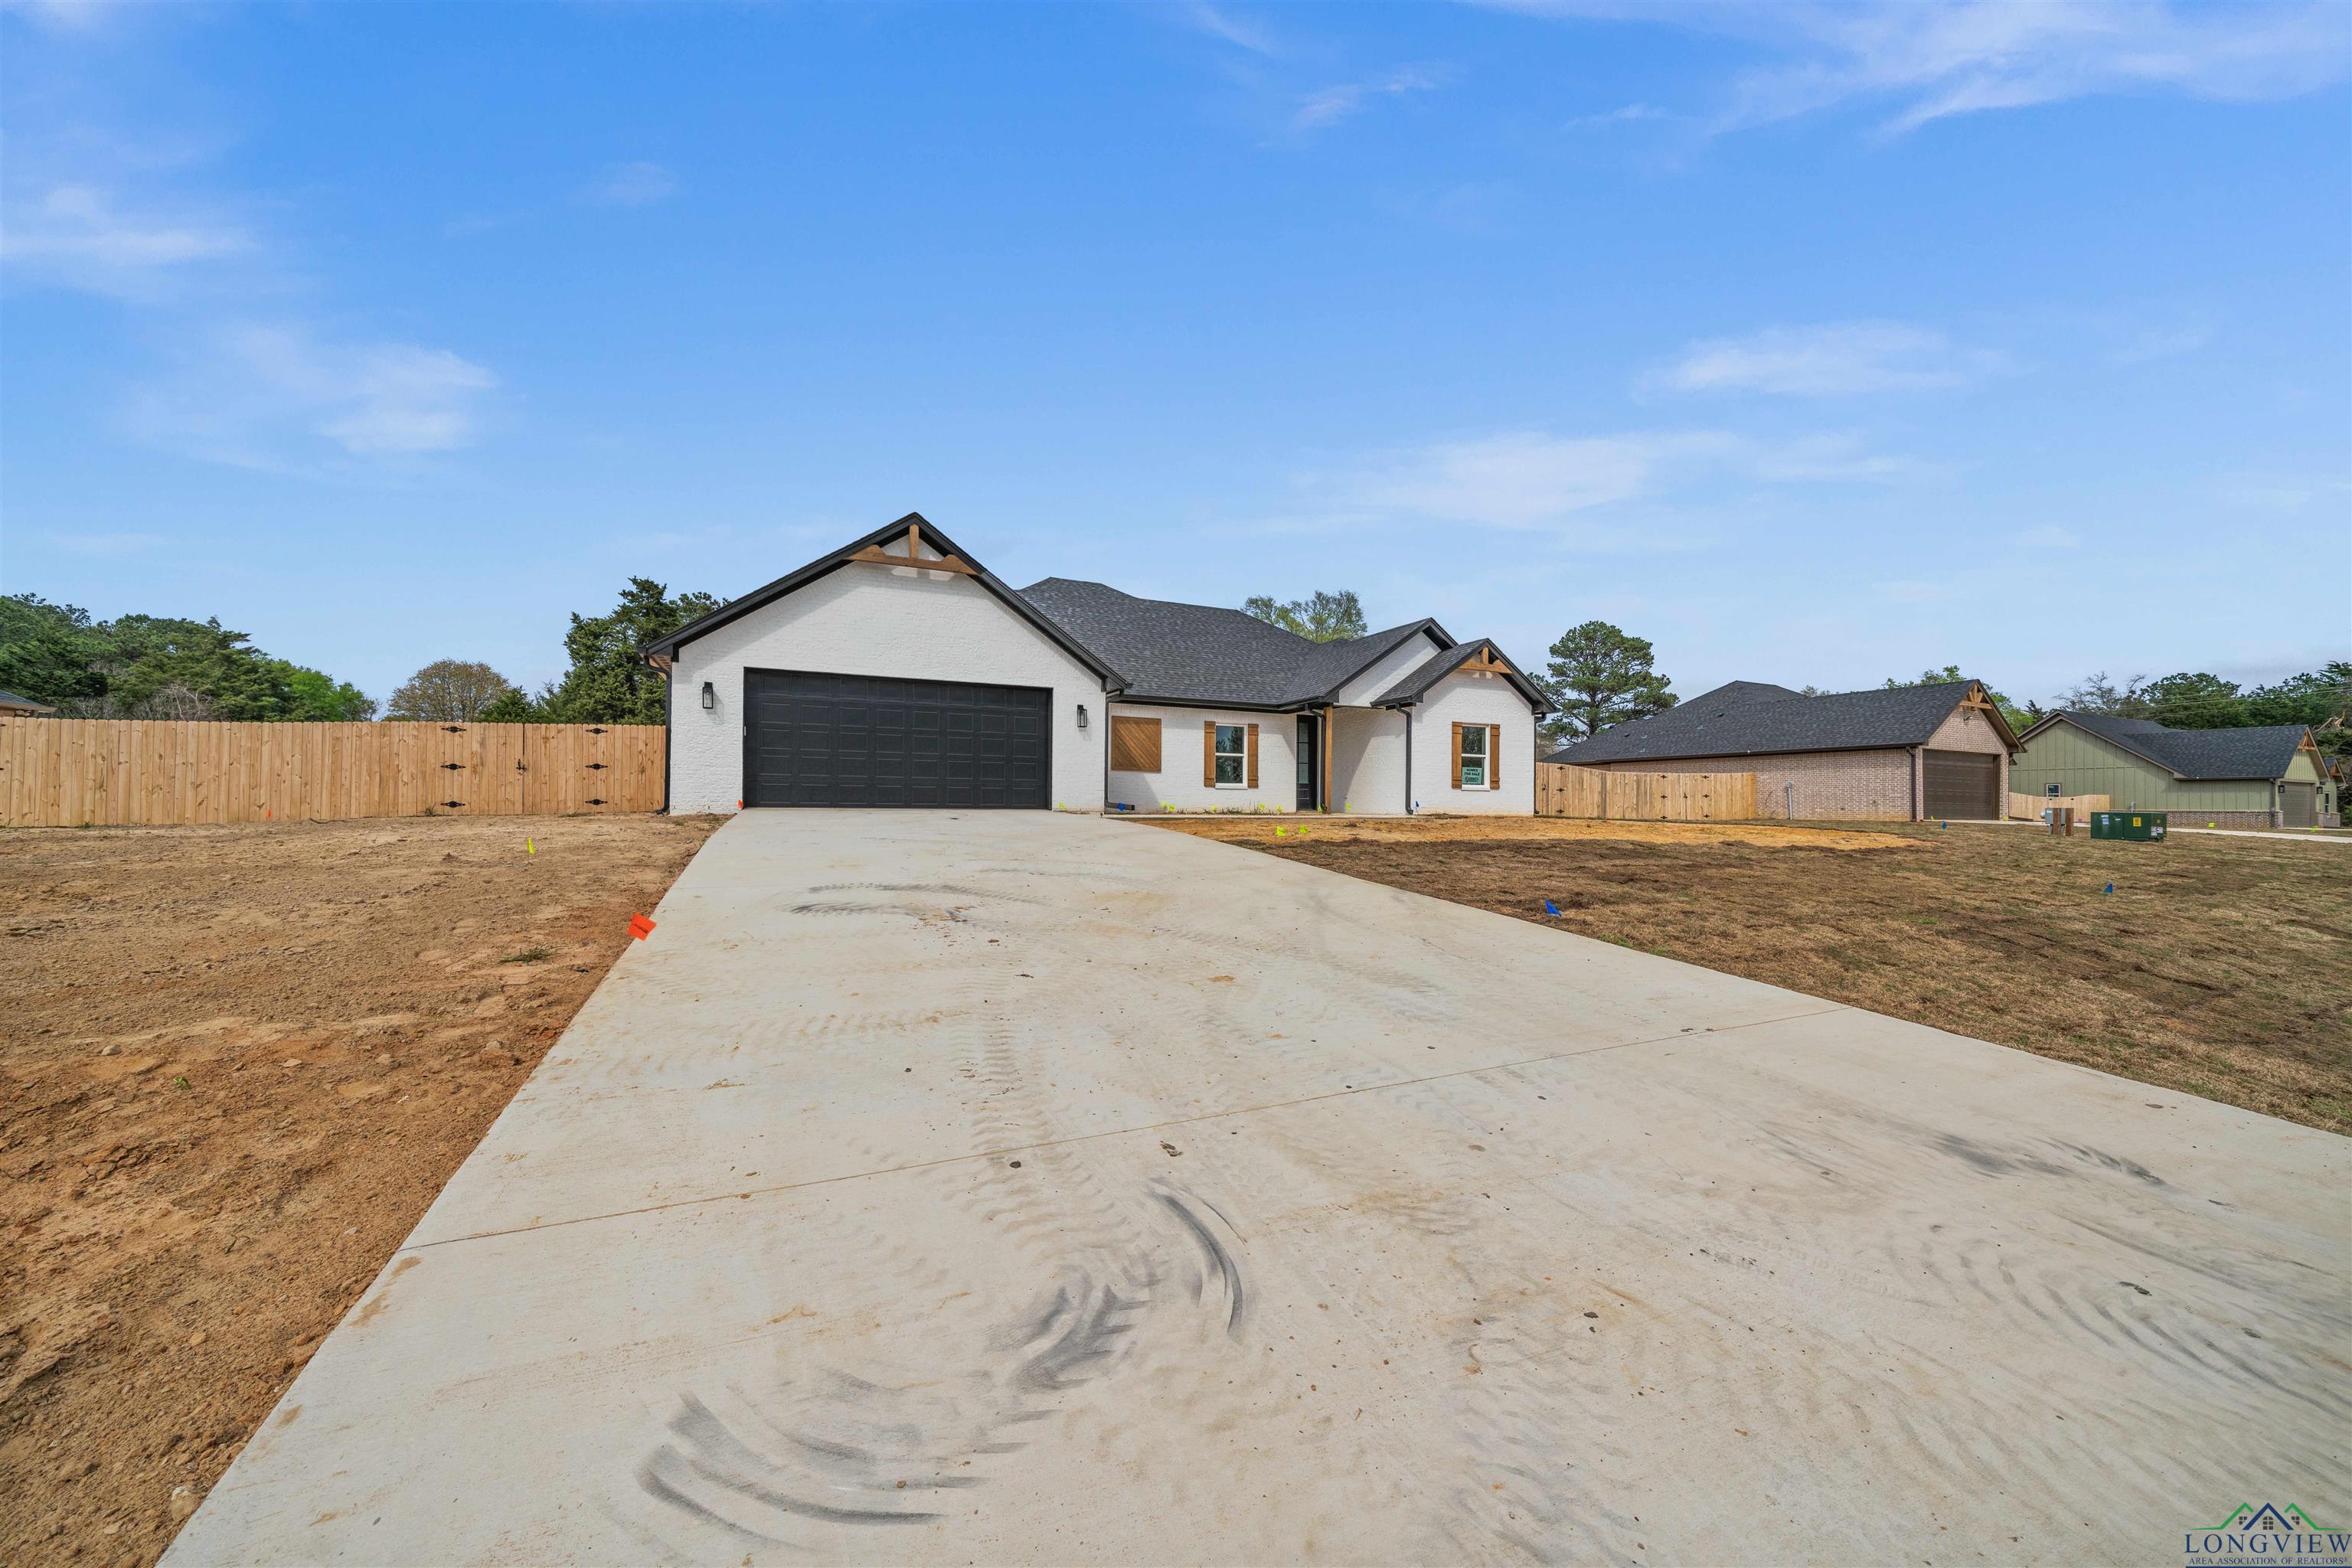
10, 699
1174, 652
1752, 717
914, 522
1420, 678
2262, 752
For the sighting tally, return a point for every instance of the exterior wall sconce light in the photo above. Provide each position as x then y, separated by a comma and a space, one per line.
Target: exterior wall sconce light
709, 696
1082, 715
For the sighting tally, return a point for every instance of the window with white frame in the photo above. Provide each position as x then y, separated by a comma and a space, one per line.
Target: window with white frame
1474, 756
1232, 754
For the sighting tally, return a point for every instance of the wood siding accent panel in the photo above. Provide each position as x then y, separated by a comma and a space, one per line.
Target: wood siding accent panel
62, 773
1457, 753
1209, 754
1251, 769
1134, 745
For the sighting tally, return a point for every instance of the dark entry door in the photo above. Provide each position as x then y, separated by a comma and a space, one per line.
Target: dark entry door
1310, 769
1963, 785
861, 739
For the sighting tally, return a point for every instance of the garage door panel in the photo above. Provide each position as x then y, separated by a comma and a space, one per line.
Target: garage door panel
849, 739
1963, 784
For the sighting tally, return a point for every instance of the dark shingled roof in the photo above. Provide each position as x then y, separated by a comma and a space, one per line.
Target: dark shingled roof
2260, 753
10, 699
1200, 653
1751, 718
1145, 649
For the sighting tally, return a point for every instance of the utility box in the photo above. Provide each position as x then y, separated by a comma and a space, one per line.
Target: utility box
2139, 827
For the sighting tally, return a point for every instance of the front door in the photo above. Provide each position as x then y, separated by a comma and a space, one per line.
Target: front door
1309, 763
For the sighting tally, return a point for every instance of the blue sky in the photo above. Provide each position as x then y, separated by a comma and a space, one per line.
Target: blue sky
1815, 344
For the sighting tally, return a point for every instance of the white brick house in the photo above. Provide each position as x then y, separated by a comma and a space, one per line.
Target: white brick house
899, 671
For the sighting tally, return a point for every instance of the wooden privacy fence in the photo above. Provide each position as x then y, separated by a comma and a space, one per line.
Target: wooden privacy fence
2029, 806
1564, 790
62, 773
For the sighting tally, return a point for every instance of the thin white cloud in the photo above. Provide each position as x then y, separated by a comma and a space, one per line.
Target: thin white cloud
1841, 359
2152, 344
1914, 591
632, 184
1626, 114
64, 16
103, 546
1920, 63
277, 397
2050, 536
1534, 479
1331, 105
2282, 492
1219, 23
78, 236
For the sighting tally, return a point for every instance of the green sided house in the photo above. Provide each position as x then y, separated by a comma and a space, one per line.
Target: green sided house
2271, 776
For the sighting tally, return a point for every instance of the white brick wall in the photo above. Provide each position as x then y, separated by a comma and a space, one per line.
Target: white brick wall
1177, 782
1415, 651
886, 621
1368, 758
1473, 700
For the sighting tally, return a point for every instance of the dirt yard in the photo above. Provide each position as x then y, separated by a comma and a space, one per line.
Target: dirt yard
237, 1064
2219, 966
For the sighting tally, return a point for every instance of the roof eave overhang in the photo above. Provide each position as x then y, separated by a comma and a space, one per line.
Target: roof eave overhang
1159, 700
1735, 752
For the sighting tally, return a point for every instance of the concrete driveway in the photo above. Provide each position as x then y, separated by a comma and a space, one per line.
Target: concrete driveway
1009, 1187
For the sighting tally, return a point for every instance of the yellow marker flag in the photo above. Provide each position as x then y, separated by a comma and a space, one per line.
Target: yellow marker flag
529, 848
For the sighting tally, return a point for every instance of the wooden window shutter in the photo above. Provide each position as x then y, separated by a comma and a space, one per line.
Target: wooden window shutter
1134, 745
1253, 756
1493, 757
1209, 753
1457, 753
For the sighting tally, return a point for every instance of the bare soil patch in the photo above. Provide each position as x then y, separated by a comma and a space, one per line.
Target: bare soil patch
2219, 966
236, 1066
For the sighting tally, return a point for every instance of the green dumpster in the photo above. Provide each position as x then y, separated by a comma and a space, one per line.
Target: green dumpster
2141, 827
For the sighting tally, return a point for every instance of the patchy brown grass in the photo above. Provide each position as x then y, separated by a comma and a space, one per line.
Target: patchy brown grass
2219, 966
236, 1066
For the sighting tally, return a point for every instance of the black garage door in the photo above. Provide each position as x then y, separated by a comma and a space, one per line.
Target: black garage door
858, 740
1964, 785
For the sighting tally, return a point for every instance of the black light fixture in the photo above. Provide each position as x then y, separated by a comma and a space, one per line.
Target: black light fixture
1082, 715
709, 696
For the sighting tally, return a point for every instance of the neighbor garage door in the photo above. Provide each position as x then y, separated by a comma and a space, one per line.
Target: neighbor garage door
858, 740
1964, 784
2299, 804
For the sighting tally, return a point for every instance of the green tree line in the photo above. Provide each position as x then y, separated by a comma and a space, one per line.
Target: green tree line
157, 666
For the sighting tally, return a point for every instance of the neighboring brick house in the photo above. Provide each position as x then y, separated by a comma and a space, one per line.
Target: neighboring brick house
1900, 754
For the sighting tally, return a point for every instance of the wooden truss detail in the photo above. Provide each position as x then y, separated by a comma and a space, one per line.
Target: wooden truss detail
1487, 661
874, 555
